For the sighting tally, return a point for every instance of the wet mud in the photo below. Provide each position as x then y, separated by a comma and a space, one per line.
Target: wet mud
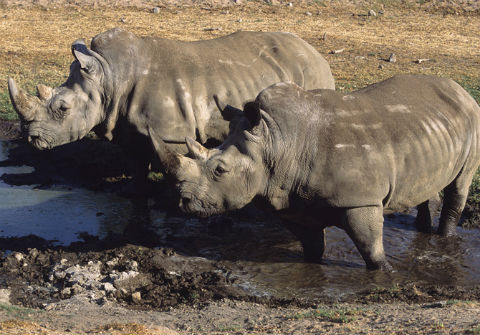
141, 252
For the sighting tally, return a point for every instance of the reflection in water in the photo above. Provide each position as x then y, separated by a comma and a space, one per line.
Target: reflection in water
249, 246
59, 213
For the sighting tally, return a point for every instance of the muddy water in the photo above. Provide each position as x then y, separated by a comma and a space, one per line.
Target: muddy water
28, 210
251, 247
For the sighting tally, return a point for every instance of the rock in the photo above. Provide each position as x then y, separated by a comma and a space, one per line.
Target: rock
132, 265
213, 29
371, 12
33, 252
18, 256
308, 13
156, 10
108, 287
113, 262
5, 296
136, 297
66, 292
381, 66
49, 307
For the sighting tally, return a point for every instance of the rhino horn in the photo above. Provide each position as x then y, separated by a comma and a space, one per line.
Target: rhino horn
195, 149
44, 92
169, 159
228, 112
26, 105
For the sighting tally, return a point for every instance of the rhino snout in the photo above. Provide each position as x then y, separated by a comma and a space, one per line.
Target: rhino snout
184, 202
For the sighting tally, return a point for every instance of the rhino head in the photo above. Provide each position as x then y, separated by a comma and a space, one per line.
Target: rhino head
66, 113
228, 177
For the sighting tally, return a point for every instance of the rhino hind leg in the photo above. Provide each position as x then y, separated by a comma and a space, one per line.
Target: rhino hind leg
364, 225
426, 213
312, 239
454, 199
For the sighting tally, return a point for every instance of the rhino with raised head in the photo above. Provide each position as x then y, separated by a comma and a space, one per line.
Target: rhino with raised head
323, 158
125, 83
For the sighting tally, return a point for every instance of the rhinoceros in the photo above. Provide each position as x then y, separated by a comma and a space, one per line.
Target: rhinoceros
321, 158
125, 83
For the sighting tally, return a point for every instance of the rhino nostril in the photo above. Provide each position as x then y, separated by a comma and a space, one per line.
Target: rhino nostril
184, 201
32, 138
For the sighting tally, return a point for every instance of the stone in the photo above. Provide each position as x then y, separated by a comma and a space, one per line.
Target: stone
18, 256
109, 287
136, 297
5, 296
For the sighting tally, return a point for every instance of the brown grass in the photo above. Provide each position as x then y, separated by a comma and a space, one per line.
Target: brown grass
35, 43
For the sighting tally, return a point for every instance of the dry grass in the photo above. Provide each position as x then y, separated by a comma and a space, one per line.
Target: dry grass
35, 43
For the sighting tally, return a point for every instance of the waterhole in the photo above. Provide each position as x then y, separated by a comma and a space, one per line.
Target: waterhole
250, 246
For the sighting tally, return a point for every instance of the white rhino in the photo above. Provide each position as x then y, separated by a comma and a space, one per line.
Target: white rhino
324, 158
125, 83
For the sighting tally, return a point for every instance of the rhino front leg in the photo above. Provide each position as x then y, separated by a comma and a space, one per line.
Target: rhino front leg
364, 225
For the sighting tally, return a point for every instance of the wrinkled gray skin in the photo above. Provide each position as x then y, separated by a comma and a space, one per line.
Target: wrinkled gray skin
323, 158
126, 83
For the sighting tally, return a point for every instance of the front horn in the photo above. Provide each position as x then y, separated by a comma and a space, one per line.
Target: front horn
25, 105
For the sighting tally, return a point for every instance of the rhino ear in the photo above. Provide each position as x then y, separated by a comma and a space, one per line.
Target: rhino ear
259, 122
195, 149
252, 113
228, 112
83, 55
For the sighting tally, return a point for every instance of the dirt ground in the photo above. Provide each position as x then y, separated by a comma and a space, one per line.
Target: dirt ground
128, 284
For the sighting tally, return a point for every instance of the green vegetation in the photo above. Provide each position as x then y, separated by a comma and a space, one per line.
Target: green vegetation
333, 315
229, 328
6, 109
16, 311
474, 330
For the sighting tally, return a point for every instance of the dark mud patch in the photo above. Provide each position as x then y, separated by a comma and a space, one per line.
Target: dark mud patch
169, 259
160, 278
135, 276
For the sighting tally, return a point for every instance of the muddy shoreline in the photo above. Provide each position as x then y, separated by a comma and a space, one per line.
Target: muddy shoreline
136, 271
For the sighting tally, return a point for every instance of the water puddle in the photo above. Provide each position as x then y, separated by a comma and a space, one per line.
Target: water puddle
251, 247
59, 213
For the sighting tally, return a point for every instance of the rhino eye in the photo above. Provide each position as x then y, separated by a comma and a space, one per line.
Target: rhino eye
63, 108
219, 170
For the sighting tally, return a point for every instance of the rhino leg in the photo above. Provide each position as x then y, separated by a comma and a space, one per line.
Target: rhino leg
455, 196
426, 213
312, 239
364, 225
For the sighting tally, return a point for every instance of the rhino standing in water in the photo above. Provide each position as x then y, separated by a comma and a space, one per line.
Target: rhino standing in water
323, 158
125, 84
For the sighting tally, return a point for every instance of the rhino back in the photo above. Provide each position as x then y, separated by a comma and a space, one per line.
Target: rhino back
398, 142
410, 139
174, 81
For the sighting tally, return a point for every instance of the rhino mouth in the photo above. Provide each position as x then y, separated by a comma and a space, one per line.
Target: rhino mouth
39, 140
191, 204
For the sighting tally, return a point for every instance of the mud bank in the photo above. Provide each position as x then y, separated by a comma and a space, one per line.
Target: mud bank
239, 273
